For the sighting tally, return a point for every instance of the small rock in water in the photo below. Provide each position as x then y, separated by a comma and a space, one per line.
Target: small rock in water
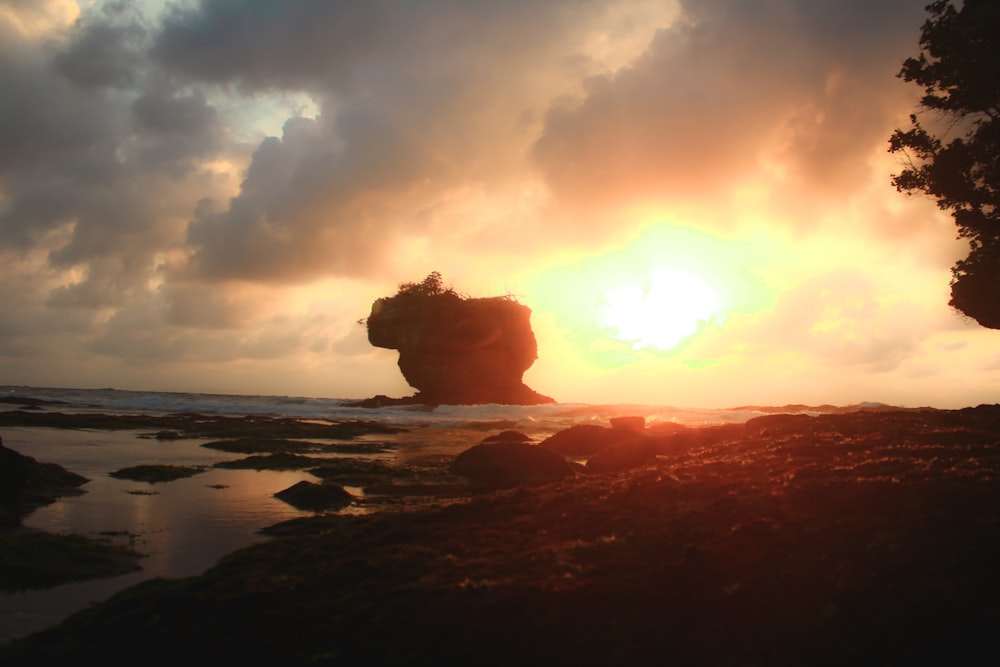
155, 473
315, 497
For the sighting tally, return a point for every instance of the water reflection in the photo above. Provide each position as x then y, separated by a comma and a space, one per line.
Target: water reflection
183, 526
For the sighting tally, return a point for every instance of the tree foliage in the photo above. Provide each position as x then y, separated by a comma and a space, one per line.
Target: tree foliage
432, 285
958, 161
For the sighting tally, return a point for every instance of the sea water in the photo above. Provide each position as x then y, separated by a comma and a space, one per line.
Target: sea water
186, 525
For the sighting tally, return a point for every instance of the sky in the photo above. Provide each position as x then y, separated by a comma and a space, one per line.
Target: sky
692, 196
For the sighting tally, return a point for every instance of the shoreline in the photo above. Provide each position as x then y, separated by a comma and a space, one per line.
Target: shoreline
869, 537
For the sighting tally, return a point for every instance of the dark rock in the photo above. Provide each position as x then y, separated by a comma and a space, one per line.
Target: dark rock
162, 435
28, 403
584, 439
25, 484
279, 461
633, 424
155, 473
457, 350
503, 465
31, 559
627, 453
771, 425
508, 436
261, 445
353, 472
383, 401
681, 439
315, 497
13, 482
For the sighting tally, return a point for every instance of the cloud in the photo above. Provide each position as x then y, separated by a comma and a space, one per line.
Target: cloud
797, 94
100, 147
163, 203
36, 18
416, 103
105, 51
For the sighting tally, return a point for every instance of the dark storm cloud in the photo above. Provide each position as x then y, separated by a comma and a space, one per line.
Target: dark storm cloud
290, 45
266, 44
176, 129
58, 141
42, 115
95, 153
105, 53
416, 100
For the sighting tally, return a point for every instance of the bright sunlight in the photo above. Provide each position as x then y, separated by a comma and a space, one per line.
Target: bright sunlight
661, 313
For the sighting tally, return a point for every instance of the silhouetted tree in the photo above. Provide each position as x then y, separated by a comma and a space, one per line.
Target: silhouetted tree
432, 285
959, 70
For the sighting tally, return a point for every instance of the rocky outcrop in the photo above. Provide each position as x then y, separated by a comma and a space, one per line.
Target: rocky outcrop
311, 497
584, 439
504, 464
26, 484
457, 350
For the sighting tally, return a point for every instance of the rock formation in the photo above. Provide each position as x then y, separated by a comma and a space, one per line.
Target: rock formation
507, 464
457, 350
26, 484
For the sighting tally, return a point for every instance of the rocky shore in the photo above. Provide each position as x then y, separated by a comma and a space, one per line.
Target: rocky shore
861, 538
30, 559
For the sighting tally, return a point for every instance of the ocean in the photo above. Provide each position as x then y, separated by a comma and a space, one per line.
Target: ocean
184, 526
554, 415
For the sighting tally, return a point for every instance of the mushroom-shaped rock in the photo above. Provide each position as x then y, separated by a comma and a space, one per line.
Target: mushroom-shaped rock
457, 350
315, 497
504, 465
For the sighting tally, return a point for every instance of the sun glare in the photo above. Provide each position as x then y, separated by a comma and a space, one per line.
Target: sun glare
661, 313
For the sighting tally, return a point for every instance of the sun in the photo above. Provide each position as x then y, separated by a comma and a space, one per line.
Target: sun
661, 311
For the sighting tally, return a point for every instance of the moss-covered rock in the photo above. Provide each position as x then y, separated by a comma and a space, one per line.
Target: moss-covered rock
30, 559
156, 473
279, 461
26, 484
315, 497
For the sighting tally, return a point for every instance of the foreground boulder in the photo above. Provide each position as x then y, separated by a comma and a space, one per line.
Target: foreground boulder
585, 439
312, 497
25, 484
507, 464
457, 350
630, 453
32, 559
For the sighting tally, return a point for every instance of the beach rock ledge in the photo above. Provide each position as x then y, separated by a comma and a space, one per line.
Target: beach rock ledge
457, 350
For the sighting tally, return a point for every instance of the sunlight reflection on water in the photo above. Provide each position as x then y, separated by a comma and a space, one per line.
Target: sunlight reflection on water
184, 526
